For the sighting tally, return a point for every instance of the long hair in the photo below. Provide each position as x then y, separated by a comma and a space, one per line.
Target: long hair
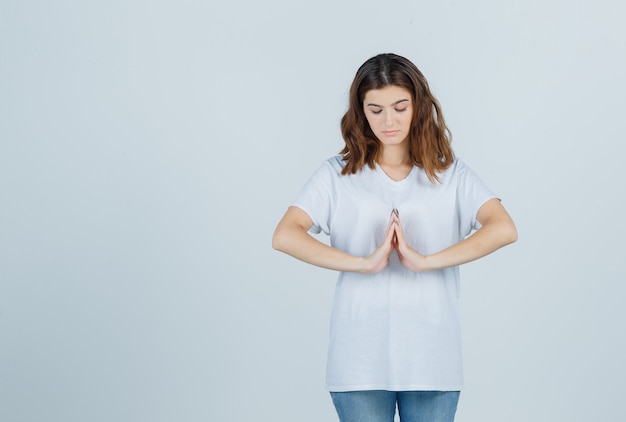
429, 137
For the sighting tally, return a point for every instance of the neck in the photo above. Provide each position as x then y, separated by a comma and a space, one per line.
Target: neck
397, 155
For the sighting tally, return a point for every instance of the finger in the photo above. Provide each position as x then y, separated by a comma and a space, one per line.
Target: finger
390, 233
390, 224
399, 232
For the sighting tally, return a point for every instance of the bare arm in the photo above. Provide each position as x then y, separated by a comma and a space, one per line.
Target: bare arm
291, 236
497, 230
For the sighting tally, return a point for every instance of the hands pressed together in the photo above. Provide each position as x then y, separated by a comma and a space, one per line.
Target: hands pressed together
497, 229
395, 240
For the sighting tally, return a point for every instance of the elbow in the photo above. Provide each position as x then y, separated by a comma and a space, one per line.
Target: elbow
509, 234
503, 233
278, 240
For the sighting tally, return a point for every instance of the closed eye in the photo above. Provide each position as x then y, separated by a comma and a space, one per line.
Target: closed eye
398, 110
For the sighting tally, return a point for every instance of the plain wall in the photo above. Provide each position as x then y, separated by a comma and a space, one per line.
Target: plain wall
148, 149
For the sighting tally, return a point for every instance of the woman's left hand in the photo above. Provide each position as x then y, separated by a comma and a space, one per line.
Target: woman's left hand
497, 229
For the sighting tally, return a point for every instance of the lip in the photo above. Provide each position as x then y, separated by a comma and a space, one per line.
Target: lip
390, 132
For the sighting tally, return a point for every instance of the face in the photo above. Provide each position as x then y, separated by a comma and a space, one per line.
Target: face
389, 111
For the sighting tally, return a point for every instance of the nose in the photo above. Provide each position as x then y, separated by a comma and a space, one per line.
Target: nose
389, 117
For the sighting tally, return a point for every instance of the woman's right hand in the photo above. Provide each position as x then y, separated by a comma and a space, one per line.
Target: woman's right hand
379, 259
291, 236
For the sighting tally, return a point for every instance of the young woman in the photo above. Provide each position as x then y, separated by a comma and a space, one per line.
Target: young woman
398, 207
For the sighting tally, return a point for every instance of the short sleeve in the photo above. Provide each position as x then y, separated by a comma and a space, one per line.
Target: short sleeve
316, 198
471, 193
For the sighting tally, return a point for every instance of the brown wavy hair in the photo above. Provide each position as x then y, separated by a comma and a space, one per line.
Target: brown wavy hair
429, 137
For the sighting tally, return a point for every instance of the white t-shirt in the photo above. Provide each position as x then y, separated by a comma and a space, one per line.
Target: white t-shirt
396, 330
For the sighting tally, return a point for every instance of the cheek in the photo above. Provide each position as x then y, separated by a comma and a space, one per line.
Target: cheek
370, 121
408, 119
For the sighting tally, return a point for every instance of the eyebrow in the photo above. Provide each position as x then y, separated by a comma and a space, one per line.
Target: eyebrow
397, 102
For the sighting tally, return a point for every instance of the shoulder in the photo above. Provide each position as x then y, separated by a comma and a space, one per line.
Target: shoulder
452, 172
458, 167
327, 172
332, 167
335, 162
458, 172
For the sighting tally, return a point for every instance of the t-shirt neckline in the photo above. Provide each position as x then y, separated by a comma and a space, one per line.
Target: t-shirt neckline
398, 183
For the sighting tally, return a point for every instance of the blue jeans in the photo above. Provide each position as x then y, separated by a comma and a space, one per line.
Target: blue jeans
380, 405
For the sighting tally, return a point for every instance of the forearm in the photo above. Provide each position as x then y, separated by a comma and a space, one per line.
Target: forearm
484, 241
299, 244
